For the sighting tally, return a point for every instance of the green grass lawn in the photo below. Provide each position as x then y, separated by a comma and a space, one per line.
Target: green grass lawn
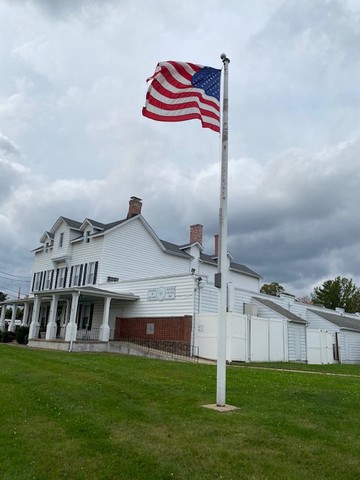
98, 416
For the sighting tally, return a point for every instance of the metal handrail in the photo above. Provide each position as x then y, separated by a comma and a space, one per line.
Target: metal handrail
175, 349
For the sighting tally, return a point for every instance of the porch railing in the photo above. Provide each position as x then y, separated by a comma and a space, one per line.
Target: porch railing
84, 334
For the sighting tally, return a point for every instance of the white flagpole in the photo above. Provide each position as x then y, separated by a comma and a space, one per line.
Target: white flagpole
222, 255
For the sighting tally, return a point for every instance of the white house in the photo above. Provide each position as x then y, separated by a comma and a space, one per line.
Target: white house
94, 283
114, 281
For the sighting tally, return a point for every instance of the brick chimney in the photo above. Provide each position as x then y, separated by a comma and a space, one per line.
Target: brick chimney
216, 238
196, 232
134, 207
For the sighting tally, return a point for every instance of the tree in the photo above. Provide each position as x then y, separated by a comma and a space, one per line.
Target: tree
3, 297
273, 289
340, 292
304, 299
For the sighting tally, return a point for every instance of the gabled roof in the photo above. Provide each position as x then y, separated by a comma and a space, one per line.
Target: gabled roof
237, 267
168, 247
340, 321
172, 248
280, 310
92, 223
243, 269
47, 236
188, 245
71, 223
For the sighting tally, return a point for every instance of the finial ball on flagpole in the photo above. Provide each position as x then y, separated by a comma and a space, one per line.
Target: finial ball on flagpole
223, 56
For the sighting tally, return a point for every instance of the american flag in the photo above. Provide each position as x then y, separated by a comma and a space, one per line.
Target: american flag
182, 91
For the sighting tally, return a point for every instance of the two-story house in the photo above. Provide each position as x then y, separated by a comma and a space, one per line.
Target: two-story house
118, 280
94, 282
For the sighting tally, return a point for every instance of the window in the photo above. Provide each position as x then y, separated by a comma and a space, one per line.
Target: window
112, 279
37, 281
87, 236
48, 280
61, 277
61, 240
85, 316
91, 274
150, 327
77, 275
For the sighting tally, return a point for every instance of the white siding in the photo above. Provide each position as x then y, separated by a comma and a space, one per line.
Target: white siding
130, 252
87, 252
42, 261
243, 281
208, 298
66, 247
182, 304
350, 346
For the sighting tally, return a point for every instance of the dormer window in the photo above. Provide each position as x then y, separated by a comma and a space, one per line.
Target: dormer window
87, 236
61, 240
46, 247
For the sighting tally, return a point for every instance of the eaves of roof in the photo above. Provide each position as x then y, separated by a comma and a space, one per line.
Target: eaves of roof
174, 249
243, 269
341, 321
236, 267
280, 310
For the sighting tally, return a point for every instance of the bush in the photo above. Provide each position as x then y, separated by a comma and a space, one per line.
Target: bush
7, 337
22, 334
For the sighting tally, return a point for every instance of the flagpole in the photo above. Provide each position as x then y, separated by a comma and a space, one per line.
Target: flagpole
222, 260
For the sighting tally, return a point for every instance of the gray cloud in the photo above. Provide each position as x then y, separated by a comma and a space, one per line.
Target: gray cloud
73, 141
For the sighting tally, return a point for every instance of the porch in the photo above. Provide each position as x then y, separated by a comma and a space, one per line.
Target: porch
72, 314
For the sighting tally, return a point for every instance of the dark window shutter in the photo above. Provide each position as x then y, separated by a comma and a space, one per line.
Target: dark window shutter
41, 281
52, 278
56, 278
95, 272
84, 278
33, 282
65, 276
71, 275
80, 274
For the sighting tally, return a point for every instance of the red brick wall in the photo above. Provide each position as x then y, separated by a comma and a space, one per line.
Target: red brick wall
173, 328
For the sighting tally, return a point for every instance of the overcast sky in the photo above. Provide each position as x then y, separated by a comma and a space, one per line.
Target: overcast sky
73, 141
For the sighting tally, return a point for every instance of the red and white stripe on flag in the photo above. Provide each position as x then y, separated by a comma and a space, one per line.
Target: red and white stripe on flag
182, 91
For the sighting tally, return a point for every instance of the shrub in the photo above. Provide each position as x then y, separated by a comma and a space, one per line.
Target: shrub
7, 337
22, 334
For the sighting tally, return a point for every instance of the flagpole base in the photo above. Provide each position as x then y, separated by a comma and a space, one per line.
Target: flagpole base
221, 408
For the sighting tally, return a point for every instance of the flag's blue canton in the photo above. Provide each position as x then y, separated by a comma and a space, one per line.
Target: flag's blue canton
209, 80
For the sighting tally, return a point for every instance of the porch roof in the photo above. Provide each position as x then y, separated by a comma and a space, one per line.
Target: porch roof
66, 293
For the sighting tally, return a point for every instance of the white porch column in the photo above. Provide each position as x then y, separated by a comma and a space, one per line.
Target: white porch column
71, 327
25, 314
2, 318
51, 326
35, 325
105, 329
12, 325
